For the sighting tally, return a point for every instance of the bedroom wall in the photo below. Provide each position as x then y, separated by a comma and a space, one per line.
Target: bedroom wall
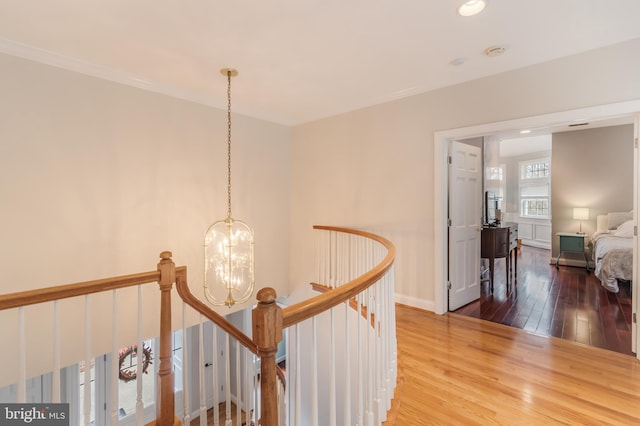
373, 168
590, 168
97, 178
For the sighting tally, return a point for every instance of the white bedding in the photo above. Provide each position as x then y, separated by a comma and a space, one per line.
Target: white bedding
613, 256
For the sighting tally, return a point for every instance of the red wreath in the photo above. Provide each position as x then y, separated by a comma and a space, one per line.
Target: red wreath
127, 375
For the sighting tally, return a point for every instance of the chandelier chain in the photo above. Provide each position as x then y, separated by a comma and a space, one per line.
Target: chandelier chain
229, 144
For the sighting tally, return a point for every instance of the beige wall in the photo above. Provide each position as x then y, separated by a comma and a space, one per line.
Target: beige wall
97, 178
373, 168
104, 177
590, 168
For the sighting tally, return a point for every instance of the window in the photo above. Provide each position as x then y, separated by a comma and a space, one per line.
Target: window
495, 181
535, 200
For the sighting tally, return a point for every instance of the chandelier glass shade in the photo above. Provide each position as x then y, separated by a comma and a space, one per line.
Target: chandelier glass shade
228, 244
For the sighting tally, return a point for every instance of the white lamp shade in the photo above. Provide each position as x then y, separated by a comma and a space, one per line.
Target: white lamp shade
580, 213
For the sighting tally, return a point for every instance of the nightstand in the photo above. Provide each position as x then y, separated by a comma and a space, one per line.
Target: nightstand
571, 242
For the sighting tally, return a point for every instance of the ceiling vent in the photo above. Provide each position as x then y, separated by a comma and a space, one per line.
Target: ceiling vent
494, 51
578, 124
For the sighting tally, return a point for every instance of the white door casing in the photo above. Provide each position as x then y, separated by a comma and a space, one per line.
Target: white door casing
635, 300
465, 207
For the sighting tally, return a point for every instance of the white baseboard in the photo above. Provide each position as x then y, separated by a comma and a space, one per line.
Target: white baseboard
427, 305
537, 244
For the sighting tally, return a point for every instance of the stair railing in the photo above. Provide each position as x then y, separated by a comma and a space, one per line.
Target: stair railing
165, 276
347, 334
356, 268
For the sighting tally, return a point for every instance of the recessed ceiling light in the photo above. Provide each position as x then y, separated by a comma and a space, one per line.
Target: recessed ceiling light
524, 132
470, 8
458, 61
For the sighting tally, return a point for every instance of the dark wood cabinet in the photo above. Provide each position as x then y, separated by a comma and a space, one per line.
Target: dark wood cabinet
498, 242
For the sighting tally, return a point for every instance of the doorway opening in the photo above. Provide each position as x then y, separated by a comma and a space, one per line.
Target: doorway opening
442, 139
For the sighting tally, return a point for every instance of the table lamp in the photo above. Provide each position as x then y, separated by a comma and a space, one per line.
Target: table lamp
581, 213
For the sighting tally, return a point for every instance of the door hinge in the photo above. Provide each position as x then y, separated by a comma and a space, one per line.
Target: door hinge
634, 318
449, 221
449, 285
635, 230
450, 160
635, 143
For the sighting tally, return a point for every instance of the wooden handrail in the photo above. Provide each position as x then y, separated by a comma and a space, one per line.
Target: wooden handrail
185, 293
32, 297
308, 308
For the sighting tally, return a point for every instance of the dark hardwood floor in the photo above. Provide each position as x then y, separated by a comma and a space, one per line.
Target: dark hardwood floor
567, 302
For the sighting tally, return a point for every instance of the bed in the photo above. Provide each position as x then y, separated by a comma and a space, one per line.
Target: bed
613, 249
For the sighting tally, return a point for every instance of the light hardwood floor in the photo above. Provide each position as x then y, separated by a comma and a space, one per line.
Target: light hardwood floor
458, 370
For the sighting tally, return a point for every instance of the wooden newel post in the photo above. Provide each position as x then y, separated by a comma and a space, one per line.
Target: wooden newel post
165, 411
267, 333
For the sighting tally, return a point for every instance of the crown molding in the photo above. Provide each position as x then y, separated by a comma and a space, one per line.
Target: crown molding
25, 51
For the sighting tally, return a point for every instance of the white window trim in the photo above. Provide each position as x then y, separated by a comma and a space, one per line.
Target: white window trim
531, 182
501, 184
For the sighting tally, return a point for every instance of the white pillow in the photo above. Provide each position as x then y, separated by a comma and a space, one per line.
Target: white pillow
625, 230
618, 218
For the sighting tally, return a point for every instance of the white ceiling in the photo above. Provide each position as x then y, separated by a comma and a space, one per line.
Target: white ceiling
519, 146
301, 60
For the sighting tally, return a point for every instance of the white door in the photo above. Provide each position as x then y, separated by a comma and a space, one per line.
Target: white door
215, 364
465, 215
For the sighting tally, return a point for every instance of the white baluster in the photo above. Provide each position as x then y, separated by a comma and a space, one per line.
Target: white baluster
392, 328
298, 397
214, 372
390, 305
319, 236
227, 381
287, 375
247, 393
324, 258
351, 258
203, 387
380, 411
347, 364
55, 382
256, 394
335, 258
340, 259
384, 341
21, 396
238, 387
314, 373
370, 361
327, 260
186, 366
115, 361
139, 362
332, 371
87, 362
359, 361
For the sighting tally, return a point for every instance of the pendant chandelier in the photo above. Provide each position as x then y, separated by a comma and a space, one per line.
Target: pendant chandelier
228, 243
